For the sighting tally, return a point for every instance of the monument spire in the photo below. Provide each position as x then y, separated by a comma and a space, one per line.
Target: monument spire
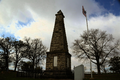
58, 62
59, 41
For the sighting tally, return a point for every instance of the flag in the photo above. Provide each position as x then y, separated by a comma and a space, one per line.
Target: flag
83, 11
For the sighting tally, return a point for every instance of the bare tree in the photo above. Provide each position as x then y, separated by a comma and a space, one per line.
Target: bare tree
6, 46
36, 51
99, 47
18, 48
103, 66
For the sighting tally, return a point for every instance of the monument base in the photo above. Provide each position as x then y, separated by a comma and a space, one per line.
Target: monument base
59, 74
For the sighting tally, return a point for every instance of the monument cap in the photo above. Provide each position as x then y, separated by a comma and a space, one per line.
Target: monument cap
60, 13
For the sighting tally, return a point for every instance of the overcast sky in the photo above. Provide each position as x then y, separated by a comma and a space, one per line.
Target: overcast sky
36, 18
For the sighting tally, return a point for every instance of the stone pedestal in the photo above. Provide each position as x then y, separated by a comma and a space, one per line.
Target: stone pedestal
63, 67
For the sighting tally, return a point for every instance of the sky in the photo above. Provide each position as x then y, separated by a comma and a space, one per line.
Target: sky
36, 18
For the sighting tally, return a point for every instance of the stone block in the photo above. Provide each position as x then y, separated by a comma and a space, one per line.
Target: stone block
79, 72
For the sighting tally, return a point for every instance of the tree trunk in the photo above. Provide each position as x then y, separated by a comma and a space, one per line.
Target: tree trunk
104, 70
15, 65
33, 64
16, 59
33, 68
7, 60
98, 66
5, 57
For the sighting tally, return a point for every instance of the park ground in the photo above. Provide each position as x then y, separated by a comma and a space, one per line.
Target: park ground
11, 75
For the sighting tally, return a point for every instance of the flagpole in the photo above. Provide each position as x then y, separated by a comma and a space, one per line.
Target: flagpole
89, 46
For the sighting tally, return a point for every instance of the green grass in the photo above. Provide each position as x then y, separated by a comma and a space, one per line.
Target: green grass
10, 75
104, 77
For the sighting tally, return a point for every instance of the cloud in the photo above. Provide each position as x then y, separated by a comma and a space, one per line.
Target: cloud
24, 23
38, 29
17, 17
5, 33
108, 22
73, 9
19, 10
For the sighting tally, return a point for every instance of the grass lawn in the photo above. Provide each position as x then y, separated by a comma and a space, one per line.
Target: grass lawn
103, 77
10, 75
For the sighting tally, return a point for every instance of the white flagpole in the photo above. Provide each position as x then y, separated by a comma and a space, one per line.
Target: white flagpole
89, 46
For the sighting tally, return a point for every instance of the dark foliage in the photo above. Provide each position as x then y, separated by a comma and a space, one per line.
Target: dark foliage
26, 66
115, 64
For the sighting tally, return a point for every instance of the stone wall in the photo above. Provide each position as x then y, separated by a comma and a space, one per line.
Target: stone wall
59, 41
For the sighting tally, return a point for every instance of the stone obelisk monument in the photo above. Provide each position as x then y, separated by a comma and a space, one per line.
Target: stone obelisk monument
58, 63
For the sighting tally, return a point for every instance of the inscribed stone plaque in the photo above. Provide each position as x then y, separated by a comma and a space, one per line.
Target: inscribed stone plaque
79, 72
55, 61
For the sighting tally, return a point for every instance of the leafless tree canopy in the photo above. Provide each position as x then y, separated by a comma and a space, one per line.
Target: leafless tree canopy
18, 48
6, 48
99, 47
15, 50
36, 51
